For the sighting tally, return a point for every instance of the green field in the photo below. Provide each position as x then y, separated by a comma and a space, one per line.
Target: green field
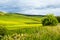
13, 21
23, 27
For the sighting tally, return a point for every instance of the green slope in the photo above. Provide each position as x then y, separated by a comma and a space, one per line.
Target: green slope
19, 21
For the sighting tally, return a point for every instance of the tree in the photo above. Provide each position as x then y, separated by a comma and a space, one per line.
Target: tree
50, 19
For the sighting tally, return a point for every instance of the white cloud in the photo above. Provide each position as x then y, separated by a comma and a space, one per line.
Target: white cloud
29, 6
39, 4
4, 1
42, 12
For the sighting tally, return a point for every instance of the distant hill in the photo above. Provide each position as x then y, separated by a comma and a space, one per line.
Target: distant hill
11, 19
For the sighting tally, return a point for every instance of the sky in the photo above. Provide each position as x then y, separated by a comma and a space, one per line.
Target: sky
32, 7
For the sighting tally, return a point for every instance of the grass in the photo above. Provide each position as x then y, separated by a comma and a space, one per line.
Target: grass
35, 33
22, 27
19, 21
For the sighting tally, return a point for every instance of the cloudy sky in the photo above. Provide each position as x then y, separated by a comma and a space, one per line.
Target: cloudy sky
32, 7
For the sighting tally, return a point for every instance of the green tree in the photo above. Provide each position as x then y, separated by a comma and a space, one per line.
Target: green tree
49, 19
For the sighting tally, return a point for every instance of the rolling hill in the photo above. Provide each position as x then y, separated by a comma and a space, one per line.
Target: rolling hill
19, 20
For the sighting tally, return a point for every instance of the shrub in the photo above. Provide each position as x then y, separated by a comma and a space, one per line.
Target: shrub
58, 18
49, 20
2, 31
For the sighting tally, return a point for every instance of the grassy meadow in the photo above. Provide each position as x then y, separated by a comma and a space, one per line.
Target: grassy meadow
15, 20
24, 27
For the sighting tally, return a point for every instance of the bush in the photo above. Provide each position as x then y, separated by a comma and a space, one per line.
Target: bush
3, 31
49, 20
58, 18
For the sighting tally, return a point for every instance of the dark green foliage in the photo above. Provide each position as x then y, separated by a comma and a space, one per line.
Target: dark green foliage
58, 18
3, 31
49, 20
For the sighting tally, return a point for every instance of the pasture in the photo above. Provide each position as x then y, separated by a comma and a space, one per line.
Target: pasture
22, 27
19, 21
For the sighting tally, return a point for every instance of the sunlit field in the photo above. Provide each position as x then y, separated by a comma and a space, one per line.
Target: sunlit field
22, 27
34, 33
13, 21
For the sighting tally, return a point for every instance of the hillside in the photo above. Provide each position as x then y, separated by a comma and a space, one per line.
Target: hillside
26, 27
18, 20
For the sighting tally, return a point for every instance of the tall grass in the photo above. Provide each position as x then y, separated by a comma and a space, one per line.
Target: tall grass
37, 33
